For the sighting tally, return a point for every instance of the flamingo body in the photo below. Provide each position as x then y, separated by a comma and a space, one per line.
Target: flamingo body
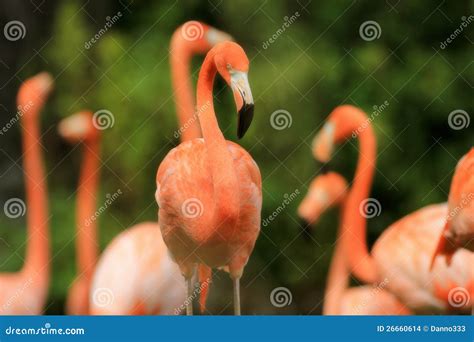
184, 179
135, 276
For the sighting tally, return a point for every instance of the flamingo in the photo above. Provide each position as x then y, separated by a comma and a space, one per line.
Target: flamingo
79, 128
325, 191
459, 229
25, 292
138, 255
208, 189
403, 252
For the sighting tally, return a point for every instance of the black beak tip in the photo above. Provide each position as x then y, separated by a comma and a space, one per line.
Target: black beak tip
245, 119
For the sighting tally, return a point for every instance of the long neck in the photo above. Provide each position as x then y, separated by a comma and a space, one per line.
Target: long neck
37, 260
338, 277
86, 226
180, 56
220, 161
354, 222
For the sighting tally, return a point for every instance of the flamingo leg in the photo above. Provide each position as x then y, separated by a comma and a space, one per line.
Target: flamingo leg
189, 295
236, 282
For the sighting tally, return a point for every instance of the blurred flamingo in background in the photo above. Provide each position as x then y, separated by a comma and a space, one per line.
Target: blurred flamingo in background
135, 274
459, 229
326, 191
402, 254
191, 38
79, 128
209, 189
25, 292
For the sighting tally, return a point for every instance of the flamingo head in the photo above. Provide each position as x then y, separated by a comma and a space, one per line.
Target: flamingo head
233, 65
459, 229
200, 37
78, 127
325, 191
33, 94
343, 122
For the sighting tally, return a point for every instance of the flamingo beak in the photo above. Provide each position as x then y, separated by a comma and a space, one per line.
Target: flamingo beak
243, 100
323, 143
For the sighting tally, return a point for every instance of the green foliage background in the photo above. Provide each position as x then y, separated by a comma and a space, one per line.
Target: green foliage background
319, 62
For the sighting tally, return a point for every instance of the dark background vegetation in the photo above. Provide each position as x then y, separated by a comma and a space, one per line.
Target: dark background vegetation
319, 62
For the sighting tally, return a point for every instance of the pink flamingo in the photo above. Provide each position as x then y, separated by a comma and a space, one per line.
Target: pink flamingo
79, 128
402, 254
459, 229
326, 191
153, 283
25, 292
209, 189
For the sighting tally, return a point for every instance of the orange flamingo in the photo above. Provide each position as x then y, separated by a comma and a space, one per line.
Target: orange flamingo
459, 229
209, 189
403, 252
25, 292
326, 191
154, 284
79, 128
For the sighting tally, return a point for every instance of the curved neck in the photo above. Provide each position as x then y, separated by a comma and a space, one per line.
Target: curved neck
354, 223
37, 261
180, 58
338, 277
219, 159
86, 225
